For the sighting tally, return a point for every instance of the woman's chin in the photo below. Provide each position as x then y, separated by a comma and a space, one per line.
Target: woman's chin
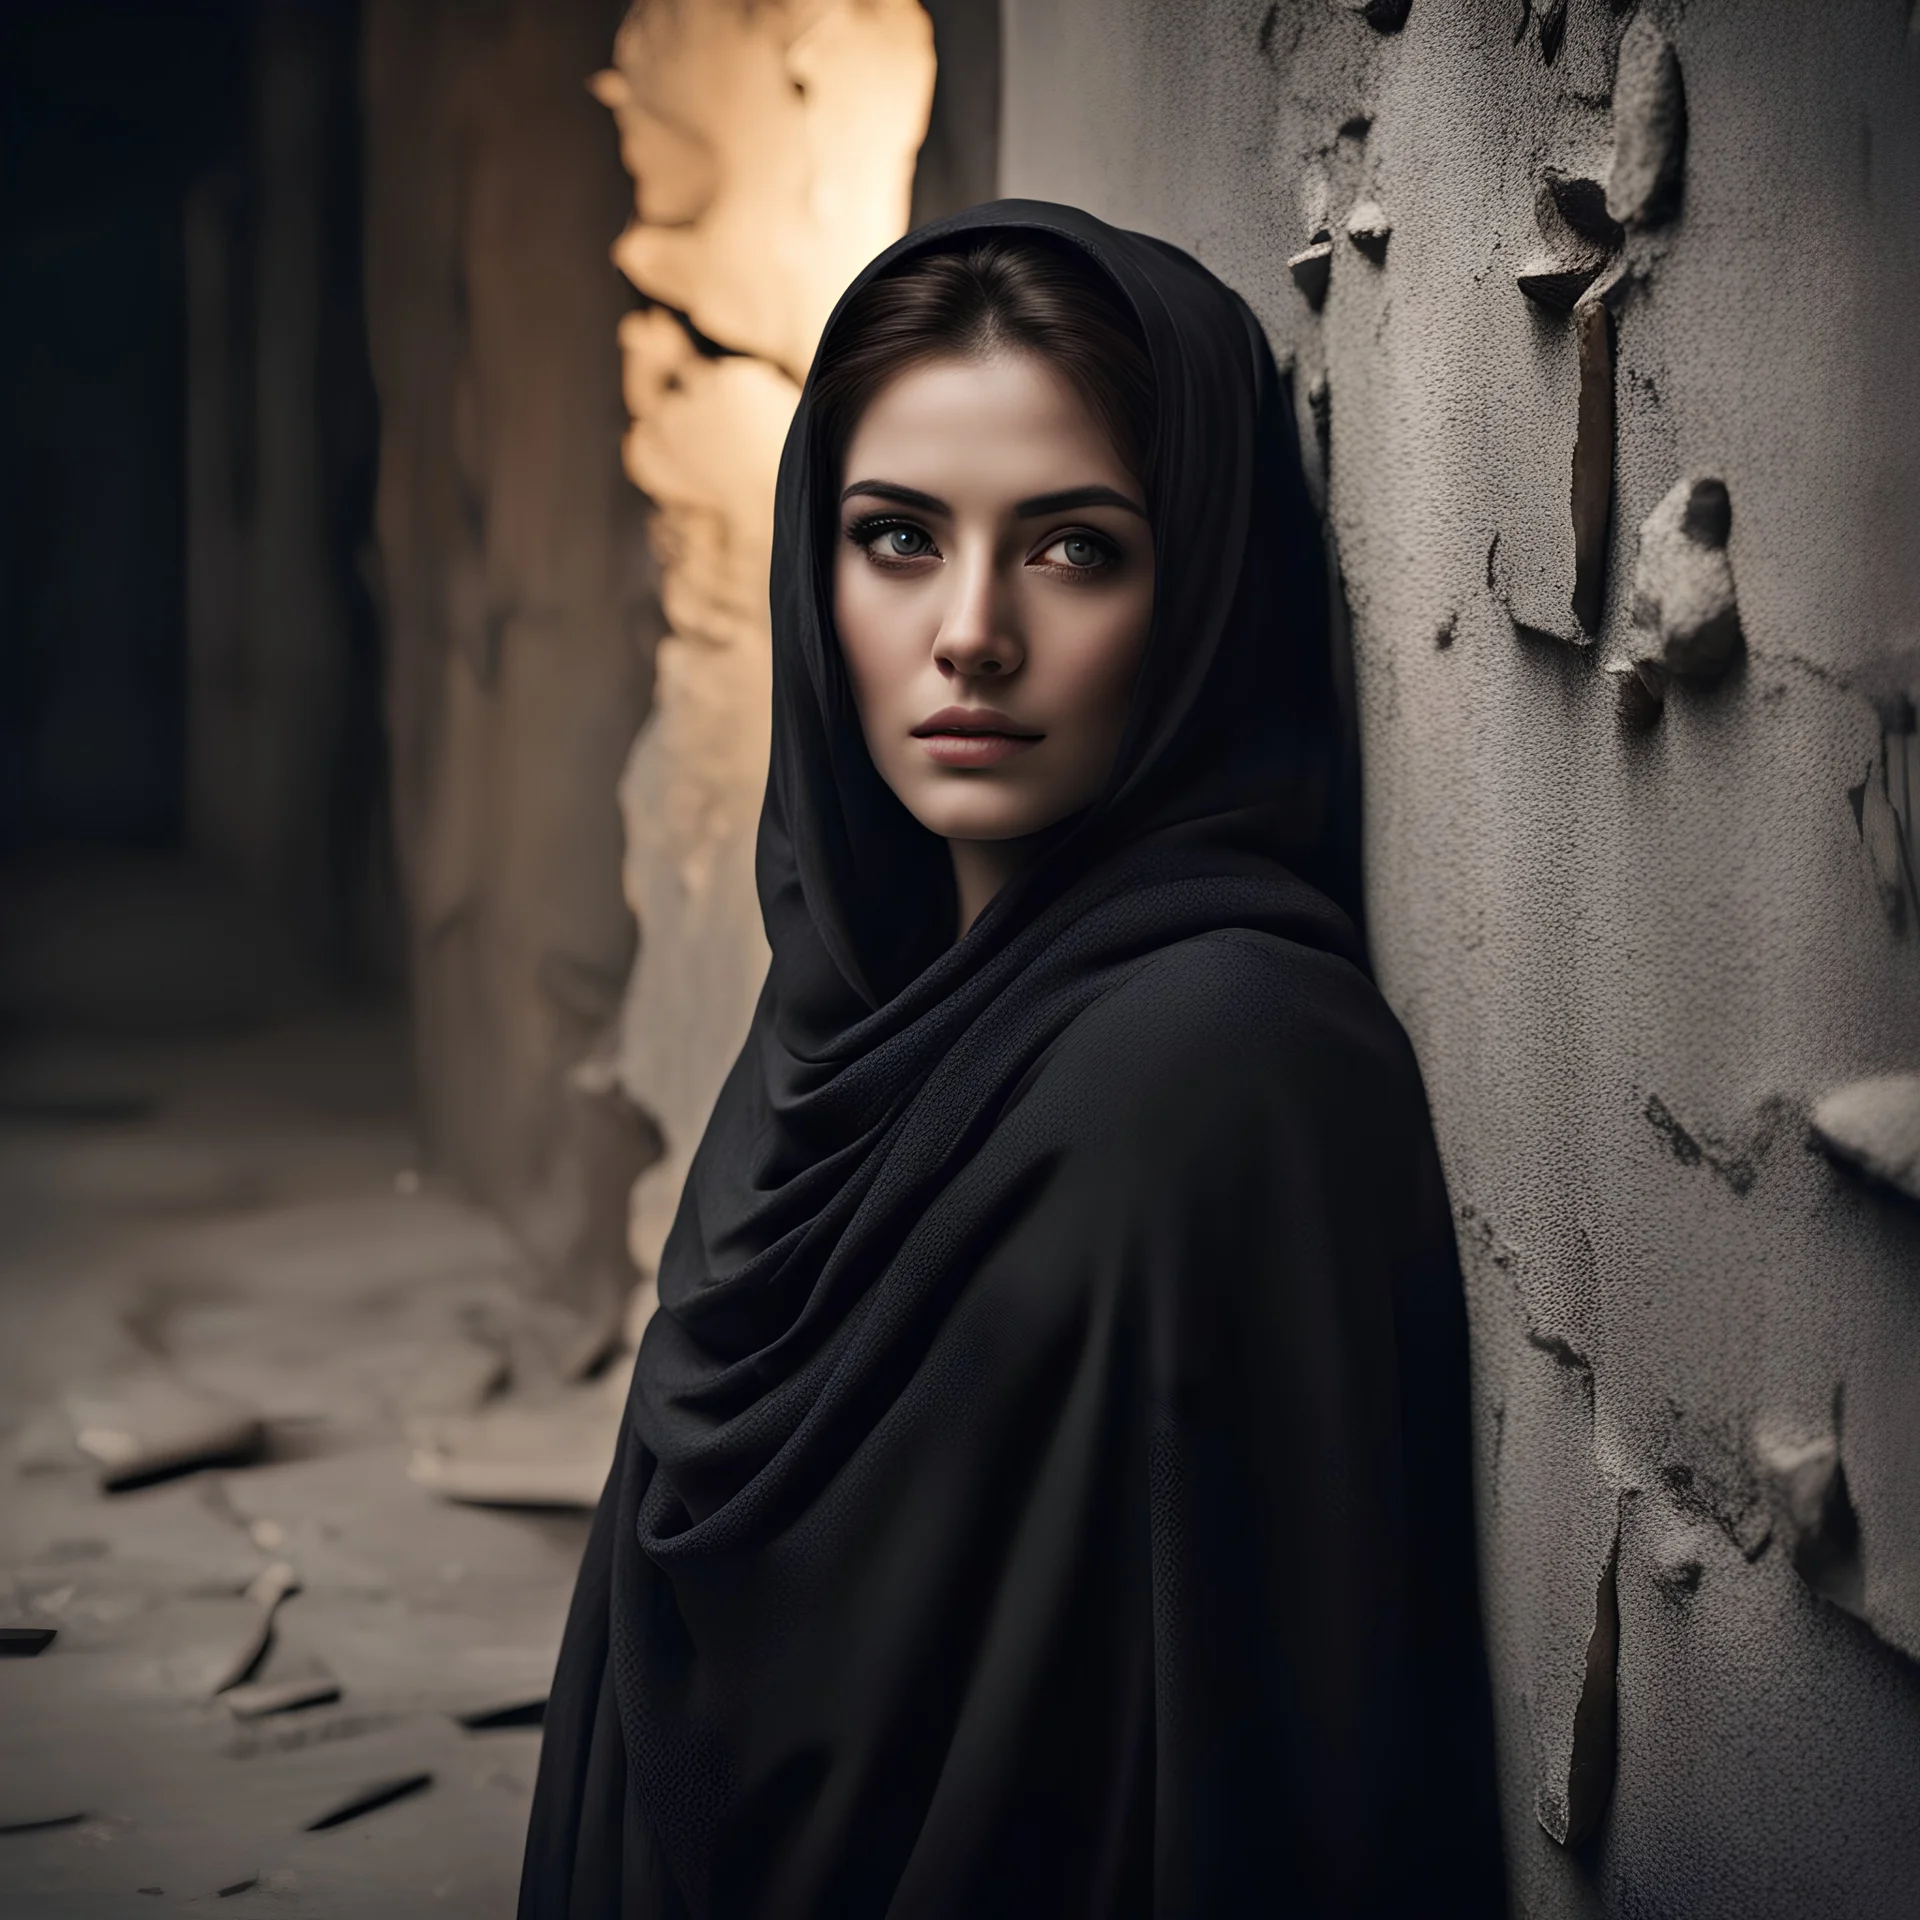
980, 823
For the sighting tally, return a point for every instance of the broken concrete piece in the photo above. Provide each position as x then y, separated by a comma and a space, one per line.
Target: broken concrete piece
1814, 1517
551, 1456
1385, 16
1683, 589
1312, 269
513, 1713
1369, 229
38, 1822
1578, 239
1874, 1125
1571, 1818
1558, 283
148, 1426
370, 1799
458, 1379
271, 1585
1885, 841
1649, 129
1639, 693
22, 1643
258, 1699
1592, 496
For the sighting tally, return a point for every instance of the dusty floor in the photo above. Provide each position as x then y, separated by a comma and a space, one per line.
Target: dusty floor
239, 1215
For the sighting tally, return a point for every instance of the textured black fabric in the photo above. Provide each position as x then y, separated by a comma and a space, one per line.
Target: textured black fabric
1045, 1490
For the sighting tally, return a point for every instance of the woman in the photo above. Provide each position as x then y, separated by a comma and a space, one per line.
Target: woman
1045, 1487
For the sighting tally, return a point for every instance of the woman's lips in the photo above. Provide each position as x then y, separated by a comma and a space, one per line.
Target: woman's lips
974, 749
972, 737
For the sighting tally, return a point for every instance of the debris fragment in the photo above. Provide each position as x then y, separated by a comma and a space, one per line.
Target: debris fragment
1312, 268
1572, 1817
148, 1426
1874, 1125
1649, 128
22, 1643
370, 1799
257, 1699
1578, 236
515, 1713
40, 1822
1885, 841
271, 1585
240, 1886
1639, 693
1369, 229
1683, 590
1558, 283
1814, 1517
544, 1456
1592, 494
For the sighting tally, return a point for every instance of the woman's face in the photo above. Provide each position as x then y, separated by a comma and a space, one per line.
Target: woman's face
992, 593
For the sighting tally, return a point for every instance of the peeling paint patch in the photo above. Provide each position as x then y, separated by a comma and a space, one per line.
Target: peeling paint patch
1570, 1811
1874, 1126
1592, 495
1683, 592
1649, 129
1369, 229
1312, 271
1814, 1517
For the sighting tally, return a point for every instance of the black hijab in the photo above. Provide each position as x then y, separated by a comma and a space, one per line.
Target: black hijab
1044, 1489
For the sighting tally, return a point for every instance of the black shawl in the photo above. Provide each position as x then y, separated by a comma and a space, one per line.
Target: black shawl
1045, 1489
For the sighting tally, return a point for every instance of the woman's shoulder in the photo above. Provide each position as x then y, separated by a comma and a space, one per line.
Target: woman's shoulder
1235, 1018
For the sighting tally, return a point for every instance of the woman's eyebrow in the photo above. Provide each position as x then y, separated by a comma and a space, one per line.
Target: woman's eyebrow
1070, 497
900, 496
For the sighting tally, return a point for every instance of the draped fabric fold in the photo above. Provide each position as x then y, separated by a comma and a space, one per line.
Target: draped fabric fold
1045, 1487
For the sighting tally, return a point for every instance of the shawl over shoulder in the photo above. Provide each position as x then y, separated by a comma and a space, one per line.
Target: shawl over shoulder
1045, 1490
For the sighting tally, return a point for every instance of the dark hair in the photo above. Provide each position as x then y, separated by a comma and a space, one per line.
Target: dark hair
1032, 294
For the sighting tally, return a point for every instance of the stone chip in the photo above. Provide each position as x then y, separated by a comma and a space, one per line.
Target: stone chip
1369, 229
1874, 1125
1683, 593
1649, 129
1312, 269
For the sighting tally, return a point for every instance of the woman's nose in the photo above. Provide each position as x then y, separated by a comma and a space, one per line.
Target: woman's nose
978, 638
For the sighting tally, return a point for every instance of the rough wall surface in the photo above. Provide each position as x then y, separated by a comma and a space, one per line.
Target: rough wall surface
520, 601
772, 151
1640, 827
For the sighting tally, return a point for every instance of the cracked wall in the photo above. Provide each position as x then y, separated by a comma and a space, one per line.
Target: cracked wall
1598, 317
772, 153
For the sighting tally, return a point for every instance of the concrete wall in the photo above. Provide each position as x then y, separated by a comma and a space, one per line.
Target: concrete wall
520, 603
1636, 938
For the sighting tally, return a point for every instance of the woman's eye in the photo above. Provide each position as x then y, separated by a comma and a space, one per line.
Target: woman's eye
897, 542
1080, 553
